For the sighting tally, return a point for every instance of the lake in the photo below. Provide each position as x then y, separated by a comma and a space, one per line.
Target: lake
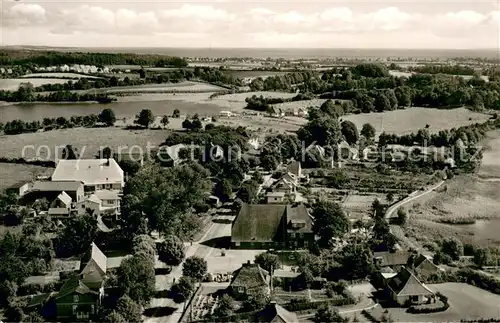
38, 111
486, 229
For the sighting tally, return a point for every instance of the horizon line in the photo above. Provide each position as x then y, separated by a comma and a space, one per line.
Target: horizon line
280, 48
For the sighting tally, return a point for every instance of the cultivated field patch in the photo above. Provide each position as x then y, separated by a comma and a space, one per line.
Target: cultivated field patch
412, 119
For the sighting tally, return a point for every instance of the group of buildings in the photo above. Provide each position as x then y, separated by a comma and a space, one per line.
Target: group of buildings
77, 187
80, 295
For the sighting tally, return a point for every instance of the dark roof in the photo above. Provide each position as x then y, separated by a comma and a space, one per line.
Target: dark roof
250, 276
397, 258
298, 214
276, 314
257, 223
406, 284
39, 300
293, 167
422, 263
17, 185
74, 285
57, 186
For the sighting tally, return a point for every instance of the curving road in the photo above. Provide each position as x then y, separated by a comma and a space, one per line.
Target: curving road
412, 197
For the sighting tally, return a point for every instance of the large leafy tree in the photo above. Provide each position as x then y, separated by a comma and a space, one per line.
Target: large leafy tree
145, 118
323, 130
330, 221
368, 131
268, 261
136, 278
107, 116
165, 196
350, 132
182, 289
356, 261
171, 251
195, 267
129, 310
329, 314
77, 235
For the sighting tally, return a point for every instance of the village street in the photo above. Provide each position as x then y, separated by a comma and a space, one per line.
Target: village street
164, 282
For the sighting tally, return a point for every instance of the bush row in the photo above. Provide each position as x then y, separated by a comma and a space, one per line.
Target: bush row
43, 163
425, 309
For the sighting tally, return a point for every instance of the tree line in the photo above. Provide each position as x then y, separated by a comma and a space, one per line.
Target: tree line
371, 88
261, 103
52, 58
106, 118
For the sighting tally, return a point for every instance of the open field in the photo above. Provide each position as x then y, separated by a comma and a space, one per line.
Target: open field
180, 87
11, 174
412, 119
466, 302
13, 84
87, 140
254, 74
236, 102
359, 206
59, 75
490, 165
466, 198
286, 106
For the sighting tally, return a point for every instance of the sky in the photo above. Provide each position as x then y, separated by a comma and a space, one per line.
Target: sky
414, 24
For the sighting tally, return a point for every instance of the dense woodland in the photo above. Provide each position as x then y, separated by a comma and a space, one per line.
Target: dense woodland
53, 58
372, 89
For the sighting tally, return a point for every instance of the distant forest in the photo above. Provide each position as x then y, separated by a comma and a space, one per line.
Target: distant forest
51, 58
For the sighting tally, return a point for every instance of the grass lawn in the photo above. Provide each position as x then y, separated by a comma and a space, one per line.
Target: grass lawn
466, 302
88, 141
412, 119
11, 174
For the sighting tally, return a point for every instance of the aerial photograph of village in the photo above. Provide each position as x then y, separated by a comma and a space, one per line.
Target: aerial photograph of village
249, 161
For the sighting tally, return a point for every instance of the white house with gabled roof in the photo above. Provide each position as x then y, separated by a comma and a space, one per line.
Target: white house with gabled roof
95, 174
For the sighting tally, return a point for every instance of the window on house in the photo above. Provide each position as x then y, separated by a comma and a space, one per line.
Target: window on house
305, 243
237, 244
75, 298
74, 309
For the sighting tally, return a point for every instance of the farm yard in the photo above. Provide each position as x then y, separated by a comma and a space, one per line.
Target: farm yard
412, 119
11, 174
